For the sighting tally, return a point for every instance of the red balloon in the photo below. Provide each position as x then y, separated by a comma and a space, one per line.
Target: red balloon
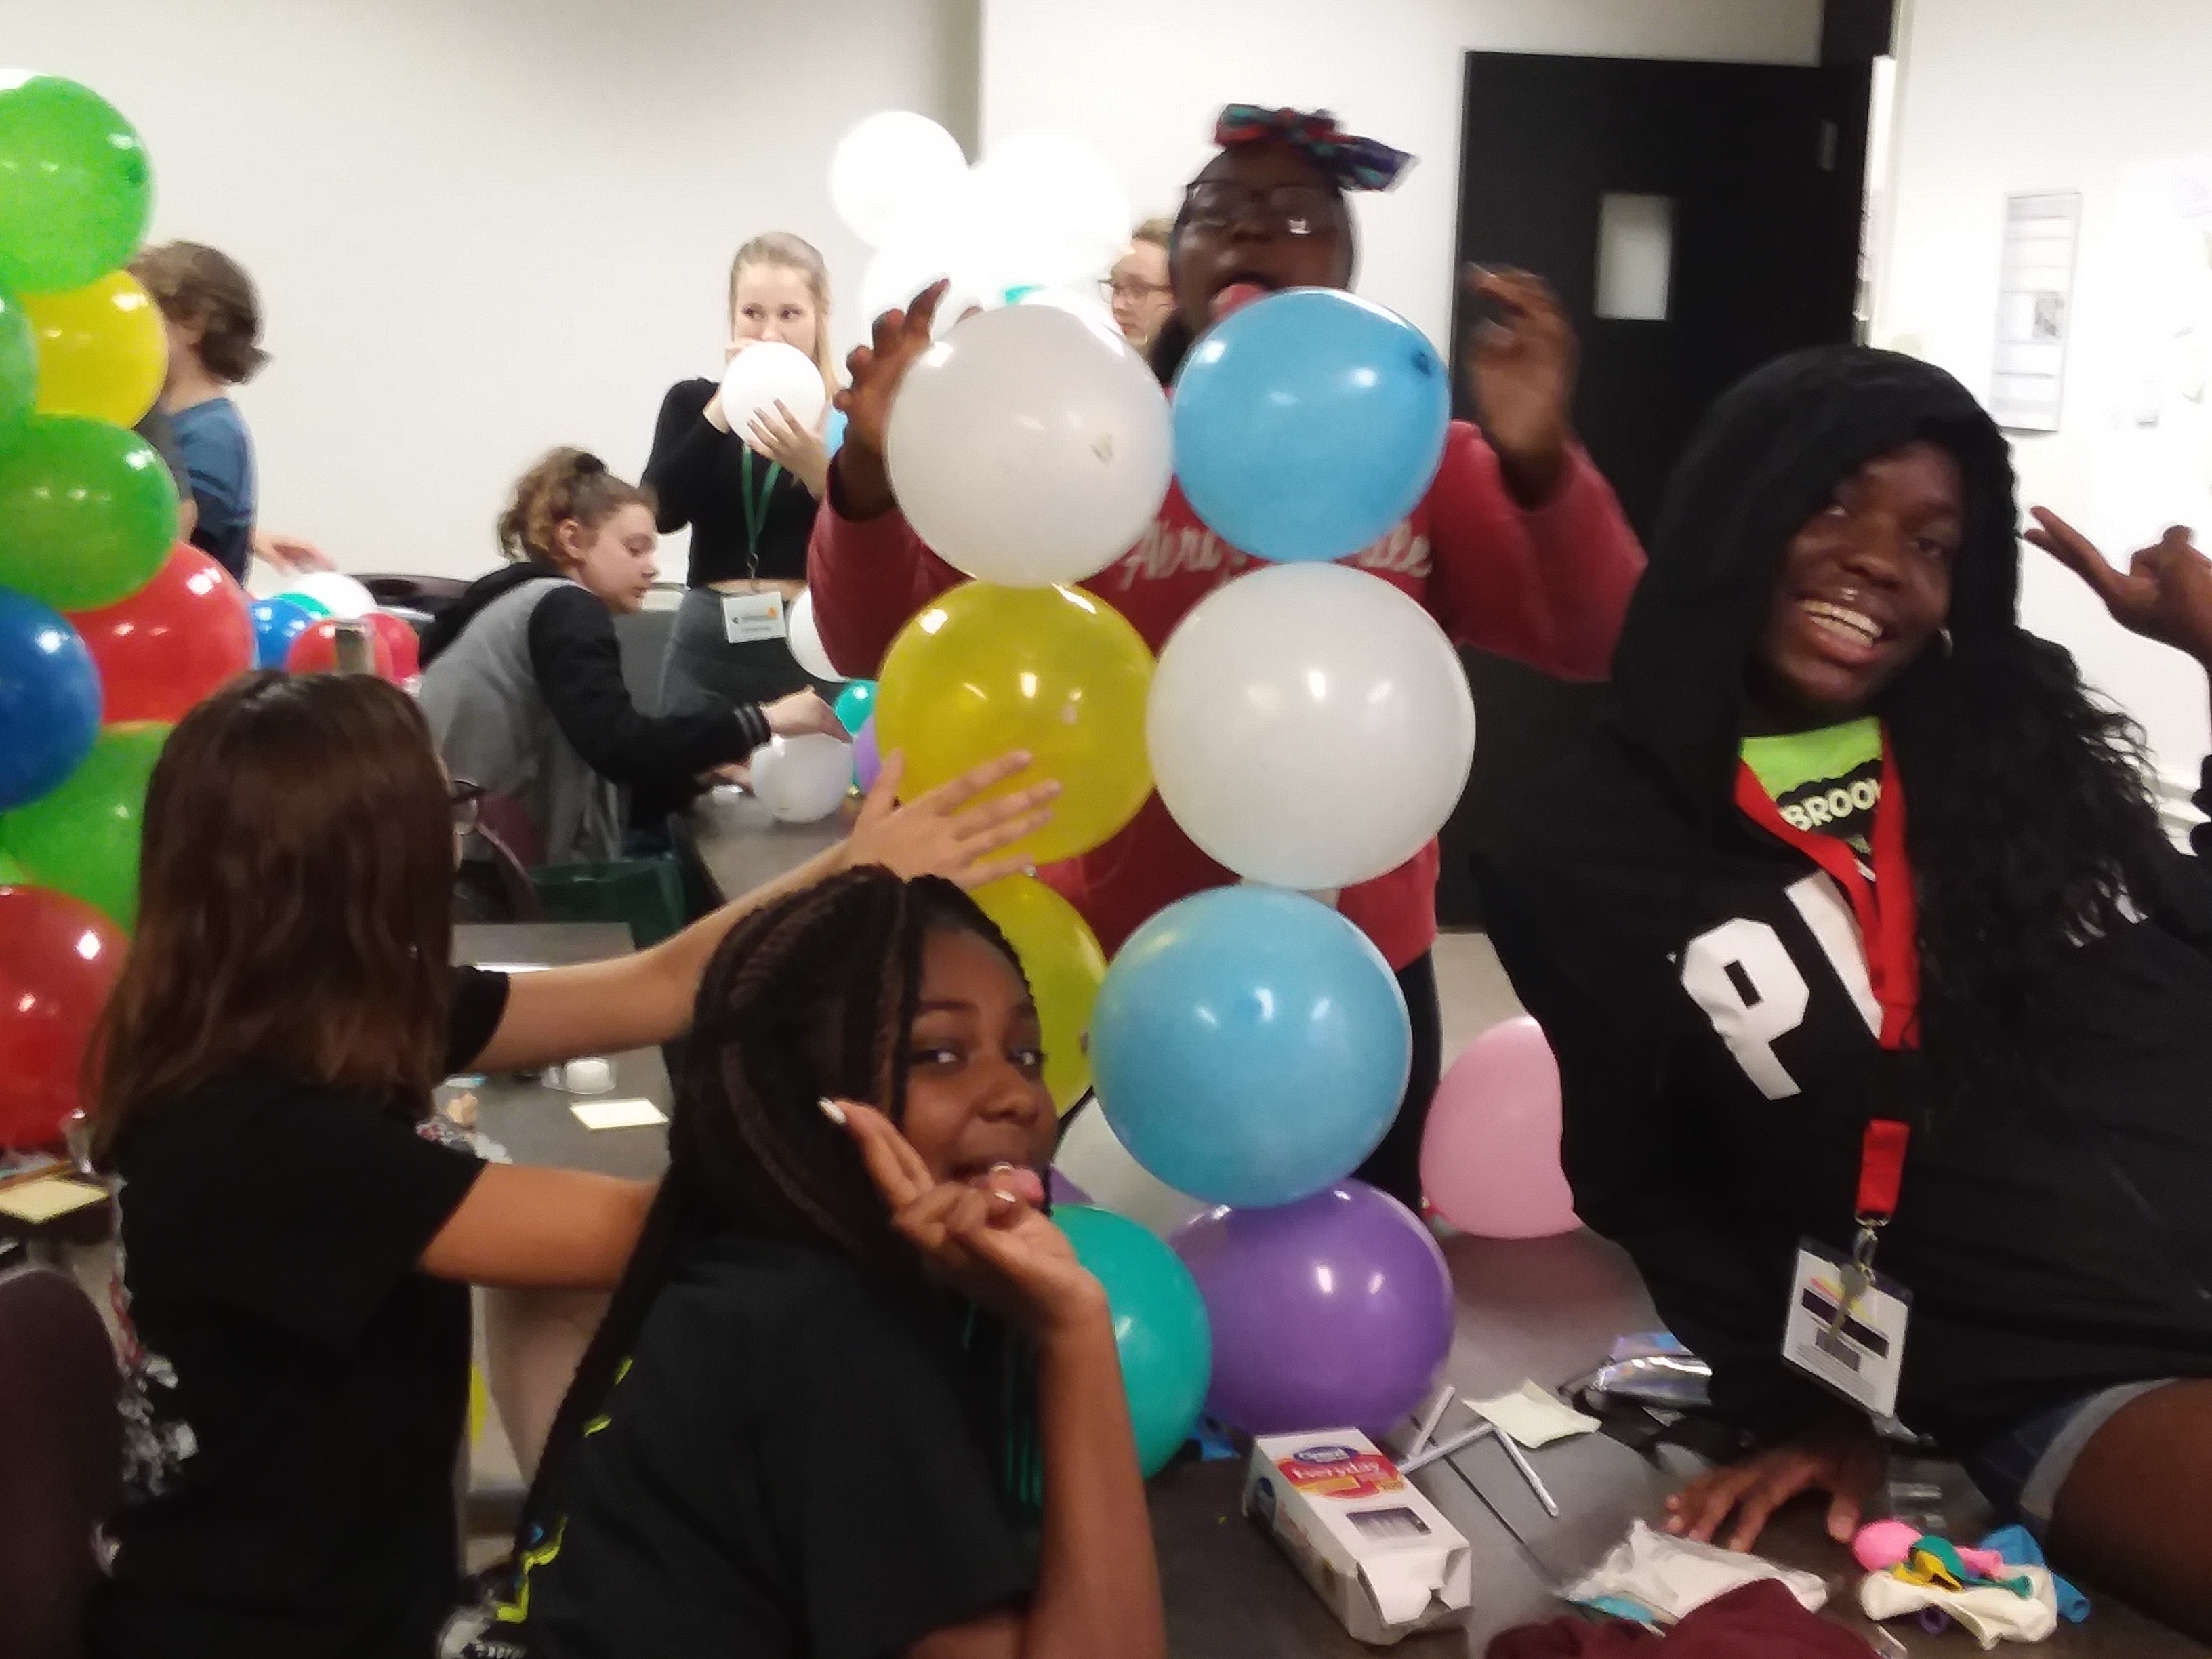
316, 650
399, 637
165, 646
58, 960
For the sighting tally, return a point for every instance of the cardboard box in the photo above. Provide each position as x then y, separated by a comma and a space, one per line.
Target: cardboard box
1381, 1555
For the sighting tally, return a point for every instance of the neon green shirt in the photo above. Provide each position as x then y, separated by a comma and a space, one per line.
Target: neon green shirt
1828, 780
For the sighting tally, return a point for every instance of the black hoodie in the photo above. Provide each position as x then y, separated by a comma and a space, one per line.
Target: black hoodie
2049, 1253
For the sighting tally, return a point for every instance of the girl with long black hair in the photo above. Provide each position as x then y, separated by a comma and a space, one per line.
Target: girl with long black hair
854, 1397
1518, 547
1860, 944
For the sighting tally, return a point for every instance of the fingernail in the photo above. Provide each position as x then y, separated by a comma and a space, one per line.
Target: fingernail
833, 1111
1673, 1524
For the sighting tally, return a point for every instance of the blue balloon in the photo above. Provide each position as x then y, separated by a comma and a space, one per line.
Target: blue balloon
49, 699
1309, 423
833, 432
276, 624
1250, 1045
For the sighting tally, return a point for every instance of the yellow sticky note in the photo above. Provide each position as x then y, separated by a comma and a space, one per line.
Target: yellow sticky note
35, 1202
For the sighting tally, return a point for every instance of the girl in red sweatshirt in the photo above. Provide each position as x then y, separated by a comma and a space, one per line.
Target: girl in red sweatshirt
1518, 548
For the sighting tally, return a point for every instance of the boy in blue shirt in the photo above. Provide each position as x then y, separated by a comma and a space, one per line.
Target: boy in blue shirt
214, 319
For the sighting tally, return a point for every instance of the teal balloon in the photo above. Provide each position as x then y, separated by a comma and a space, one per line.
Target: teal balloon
77, 191
87, 512
19, 365
1160, 1327
855, 704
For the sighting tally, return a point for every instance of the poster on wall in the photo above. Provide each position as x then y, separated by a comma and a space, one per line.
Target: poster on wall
2035, 305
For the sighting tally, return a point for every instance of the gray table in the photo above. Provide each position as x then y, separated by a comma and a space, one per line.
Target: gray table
739, 844
529, 1117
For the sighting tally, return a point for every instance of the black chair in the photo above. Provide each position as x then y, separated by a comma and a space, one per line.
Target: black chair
427, 594
61, 1459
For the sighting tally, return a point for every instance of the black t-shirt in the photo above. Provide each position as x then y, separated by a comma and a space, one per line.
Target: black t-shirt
703, 476
785, 1469
298, 1388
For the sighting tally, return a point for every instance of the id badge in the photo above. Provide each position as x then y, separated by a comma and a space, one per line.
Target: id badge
1861, 1358
750, 617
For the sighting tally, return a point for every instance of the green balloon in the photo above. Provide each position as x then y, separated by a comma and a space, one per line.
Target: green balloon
87, 512
77, 191
19, 365
306, 602
1160, 1327
13, 874
82, 838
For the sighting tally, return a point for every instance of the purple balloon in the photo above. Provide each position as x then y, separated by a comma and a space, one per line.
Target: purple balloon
1333, 1312
1065, 1191
867, 759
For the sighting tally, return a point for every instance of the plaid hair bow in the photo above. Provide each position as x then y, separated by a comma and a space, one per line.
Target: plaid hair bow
1354, 162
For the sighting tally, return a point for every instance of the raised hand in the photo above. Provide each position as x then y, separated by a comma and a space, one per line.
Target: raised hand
988, 1243
1521, 367
950, 832
2165, 594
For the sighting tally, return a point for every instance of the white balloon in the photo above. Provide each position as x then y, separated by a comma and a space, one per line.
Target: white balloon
1309, 726
341, 595
948, 231
902, 270
1065, 210
884, 162
805, 638
765, 374
1076, 303
1030, 447
802, 780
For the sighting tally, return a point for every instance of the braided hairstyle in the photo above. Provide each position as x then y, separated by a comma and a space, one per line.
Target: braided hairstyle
812, 996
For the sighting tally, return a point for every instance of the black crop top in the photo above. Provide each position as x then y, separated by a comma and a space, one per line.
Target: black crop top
698, 475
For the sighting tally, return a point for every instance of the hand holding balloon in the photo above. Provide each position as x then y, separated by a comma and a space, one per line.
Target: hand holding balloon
1521, 367
797, 449
874, 372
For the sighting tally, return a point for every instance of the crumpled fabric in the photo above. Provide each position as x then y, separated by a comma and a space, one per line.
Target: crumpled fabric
1674, 1576
1761, 1620
1989, 1613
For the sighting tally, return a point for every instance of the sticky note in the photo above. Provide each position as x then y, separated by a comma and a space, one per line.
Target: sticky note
1533, 1416
35, 1202
618, 1114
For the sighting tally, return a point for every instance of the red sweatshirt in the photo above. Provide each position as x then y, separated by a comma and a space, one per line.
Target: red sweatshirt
1548, 587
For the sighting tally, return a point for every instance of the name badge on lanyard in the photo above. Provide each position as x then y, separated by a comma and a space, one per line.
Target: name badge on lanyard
750, 617
1845, 1324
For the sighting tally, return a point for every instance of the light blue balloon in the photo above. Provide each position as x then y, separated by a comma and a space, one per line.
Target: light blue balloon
276, 624
1250, 1046
49, 699
1309, 423
1160, 1326
833, 432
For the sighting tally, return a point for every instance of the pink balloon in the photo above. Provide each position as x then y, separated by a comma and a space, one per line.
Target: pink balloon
1489, 1156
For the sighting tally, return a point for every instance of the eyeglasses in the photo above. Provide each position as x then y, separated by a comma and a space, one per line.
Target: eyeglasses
1130, 287
1280, 210
465, 801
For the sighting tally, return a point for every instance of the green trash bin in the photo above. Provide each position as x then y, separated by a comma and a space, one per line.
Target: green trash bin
646, 893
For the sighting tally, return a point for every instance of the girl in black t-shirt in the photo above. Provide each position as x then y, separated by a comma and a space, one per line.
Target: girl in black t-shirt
749, 497
855, 1396
295, 1248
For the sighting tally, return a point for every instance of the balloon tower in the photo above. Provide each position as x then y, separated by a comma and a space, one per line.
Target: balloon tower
1308, 725
110, 626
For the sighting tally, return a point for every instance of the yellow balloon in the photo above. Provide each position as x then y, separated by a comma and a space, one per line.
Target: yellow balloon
985, 669
102, 349
1061, 955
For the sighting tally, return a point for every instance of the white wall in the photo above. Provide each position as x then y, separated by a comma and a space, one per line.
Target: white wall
481, 228
1998, 97
1145, 78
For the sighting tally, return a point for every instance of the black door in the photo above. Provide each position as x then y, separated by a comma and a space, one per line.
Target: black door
1760, 170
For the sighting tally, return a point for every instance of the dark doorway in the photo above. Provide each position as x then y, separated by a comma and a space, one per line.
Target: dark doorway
1743, 184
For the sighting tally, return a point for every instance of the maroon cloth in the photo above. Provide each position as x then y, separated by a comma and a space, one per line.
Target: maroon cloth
1757, 1621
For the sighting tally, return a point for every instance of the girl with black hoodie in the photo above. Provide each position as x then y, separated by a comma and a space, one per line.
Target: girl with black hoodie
1786, 1010
522, 677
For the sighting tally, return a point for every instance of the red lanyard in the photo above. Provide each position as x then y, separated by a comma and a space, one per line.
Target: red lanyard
1889, 924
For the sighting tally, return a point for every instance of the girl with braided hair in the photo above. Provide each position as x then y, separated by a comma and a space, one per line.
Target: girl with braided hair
854, 1397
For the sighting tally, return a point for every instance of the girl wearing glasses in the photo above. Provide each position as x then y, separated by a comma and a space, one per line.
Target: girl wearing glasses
1518, 548
1138, 287
296, 1250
